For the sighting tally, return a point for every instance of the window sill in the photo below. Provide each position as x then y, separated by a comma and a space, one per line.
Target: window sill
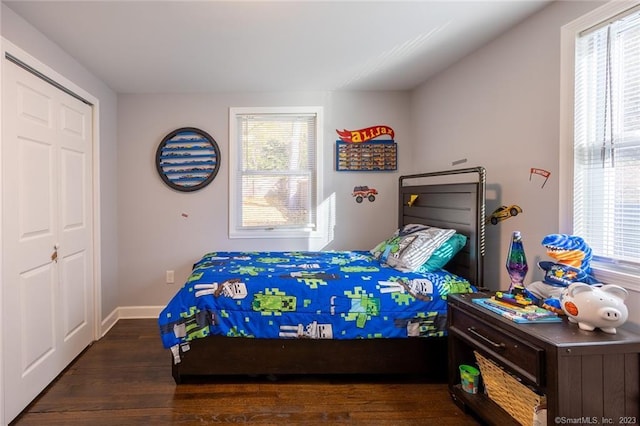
609, 275
274, 234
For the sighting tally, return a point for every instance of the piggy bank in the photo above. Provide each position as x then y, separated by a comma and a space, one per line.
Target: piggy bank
594, 306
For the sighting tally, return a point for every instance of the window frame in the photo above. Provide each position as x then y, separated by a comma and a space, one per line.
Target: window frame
235, 231
605, 272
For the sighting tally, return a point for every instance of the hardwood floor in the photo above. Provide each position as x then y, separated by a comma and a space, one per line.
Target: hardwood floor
125, 379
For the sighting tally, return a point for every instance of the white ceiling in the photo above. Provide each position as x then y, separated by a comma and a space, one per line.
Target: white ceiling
214, 46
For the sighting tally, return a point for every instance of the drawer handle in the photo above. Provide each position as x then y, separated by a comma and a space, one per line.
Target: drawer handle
496, 346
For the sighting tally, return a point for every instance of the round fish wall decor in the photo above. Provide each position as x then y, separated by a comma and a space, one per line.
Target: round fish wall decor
188, 159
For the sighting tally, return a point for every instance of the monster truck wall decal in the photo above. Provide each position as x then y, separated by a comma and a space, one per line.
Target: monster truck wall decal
362, 192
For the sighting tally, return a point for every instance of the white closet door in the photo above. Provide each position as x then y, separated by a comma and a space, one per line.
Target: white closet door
48, 310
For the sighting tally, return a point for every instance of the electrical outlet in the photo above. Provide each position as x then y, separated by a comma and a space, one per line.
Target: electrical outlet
170, 277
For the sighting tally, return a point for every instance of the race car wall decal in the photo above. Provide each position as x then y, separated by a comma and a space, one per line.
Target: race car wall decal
503, 213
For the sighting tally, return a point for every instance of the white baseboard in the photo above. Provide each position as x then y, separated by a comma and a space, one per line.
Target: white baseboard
128, 312
108, 322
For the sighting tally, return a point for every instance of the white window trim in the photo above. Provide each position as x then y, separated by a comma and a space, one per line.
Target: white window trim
234, 231
569, 33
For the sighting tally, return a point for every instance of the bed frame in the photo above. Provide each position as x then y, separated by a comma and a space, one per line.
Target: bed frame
458, 205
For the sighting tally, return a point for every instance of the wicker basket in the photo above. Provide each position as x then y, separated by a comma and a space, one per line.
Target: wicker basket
514, 397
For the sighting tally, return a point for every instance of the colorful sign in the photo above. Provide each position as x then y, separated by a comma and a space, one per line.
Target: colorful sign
371, 156
363, 135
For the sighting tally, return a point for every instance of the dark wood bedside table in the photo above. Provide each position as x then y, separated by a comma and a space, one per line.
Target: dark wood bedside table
584, 375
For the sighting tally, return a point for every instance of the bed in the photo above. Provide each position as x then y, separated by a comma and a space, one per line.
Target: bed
335, 312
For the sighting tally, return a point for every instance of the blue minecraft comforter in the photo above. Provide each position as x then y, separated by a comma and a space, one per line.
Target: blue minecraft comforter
316, 295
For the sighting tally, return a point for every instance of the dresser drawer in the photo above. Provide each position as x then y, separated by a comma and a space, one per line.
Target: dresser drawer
522, 358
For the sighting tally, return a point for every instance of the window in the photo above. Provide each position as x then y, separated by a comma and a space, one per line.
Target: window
274, 181
605, 140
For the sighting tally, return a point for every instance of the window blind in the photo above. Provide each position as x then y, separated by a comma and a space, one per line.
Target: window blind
276, 179
607, 140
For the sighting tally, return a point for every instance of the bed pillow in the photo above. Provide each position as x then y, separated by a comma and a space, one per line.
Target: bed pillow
410, 246
444, 253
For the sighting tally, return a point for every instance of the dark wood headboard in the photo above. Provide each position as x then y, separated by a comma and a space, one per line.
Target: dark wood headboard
459, 205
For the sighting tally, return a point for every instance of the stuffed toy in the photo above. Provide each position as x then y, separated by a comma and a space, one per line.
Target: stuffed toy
572, 264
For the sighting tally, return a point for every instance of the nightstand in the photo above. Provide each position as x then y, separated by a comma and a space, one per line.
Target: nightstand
584, 375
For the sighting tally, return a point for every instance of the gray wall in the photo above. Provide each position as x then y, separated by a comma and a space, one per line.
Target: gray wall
153, 234
500, 107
